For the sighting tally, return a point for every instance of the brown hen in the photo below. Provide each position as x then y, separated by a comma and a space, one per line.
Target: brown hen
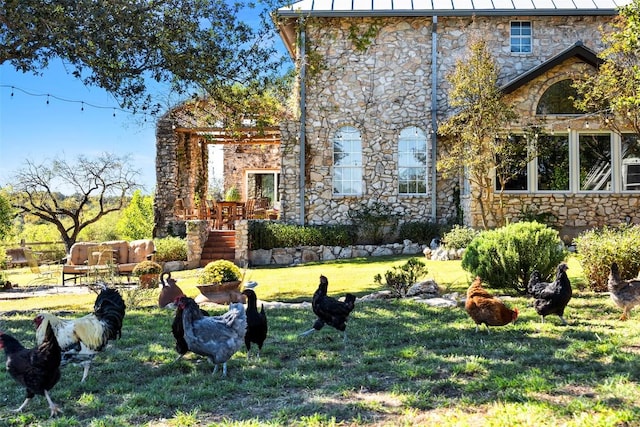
483, 307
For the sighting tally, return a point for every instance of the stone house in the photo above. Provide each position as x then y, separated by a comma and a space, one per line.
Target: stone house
374, 80
373, 87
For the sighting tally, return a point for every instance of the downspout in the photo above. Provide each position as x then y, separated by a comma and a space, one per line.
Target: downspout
303, 117
434, 118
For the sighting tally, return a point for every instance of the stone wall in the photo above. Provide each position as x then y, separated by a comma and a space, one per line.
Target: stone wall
386, 86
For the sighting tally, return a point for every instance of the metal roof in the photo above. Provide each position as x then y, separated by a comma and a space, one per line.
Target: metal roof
339, 8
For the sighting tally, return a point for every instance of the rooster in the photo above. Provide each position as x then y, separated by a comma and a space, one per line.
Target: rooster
625, 293
169, 290
553, 297
81, 339
329, 310
177, 328
257, 326
216, 337
483, 307
37, 369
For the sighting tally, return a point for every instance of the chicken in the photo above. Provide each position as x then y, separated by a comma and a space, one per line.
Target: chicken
169, 290
257, 326
82, 338
625, 293
216, 337
177, 328
329, 310
37, 369
483, 307
553, 297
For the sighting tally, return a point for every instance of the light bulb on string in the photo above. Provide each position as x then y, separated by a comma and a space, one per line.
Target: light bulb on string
47, 99
12, 91
82, 106
114, 112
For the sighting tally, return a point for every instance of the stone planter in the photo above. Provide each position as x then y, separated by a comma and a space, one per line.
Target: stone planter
220, 293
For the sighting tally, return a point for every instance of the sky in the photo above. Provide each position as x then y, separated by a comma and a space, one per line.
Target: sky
41, 128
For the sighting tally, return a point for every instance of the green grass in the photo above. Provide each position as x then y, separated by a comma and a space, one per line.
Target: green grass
404, 363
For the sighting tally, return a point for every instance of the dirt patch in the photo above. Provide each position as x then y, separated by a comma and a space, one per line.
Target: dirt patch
43, 290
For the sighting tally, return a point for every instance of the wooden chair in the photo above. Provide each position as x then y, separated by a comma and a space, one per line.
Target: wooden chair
226, 215
249, 207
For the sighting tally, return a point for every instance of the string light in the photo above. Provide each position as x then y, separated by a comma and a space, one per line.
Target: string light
58, 98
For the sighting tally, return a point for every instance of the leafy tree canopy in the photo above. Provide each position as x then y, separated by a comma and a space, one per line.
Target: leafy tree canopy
615, 89
122, 45
6, 216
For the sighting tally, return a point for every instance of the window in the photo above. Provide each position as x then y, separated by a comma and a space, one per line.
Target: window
559, 99
553, 163
511, 167
594, 162
521, 37
412, 161
261, 184
630, 162
347, 162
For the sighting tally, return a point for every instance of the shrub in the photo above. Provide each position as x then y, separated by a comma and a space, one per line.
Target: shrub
171, 249
420, 232
505, 257
271, 234
375, 221
598, 248
459, 237
147, 267
219, 271
400, 278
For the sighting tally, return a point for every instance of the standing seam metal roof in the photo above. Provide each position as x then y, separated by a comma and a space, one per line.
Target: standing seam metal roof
335, 8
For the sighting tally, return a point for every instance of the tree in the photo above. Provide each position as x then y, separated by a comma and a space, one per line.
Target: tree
97, 187
121, 45
474, 131
136, 221
614, 91
6, 216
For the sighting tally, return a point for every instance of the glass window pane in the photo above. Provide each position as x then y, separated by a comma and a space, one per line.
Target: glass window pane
553, 163
558, 99
630, 162
412, 161
595, 162
511, 170
347, 161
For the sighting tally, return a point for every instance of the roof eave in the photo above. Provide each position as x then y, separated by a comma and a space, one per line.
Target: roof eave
291, 13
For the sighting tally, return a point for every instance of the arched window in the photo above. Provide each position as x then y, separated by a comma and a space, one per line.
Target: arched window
558, 99
347, 162
412, 161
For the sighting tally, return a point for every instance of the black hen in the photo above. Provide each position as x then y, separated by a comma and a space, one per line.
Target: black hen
177, 328
329, 310
256, 322
551, 298
37, 369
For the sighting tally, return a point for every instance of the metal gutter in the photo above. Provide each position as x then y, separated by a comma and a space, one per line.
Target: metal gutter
434, 118
303, 117
446, 12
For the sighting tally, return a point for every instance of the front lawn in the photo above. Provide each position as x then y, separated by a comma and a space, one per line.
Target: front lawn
404, 363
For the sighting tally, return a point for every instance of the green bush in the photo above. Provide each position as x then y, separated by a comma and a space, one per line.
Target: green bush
505, 257
421, 232
171, 249
375, 222
272, 234
459, 237
219, 271
400, 278
598, 248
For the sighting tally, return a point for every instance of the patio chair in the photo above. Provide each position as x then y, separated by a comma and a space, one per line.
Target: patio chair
42, 275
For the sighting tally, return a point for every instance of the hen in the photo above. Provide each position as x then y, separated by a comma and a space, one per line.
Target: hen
177, 328
169, 290
37, 369
483, 307
257, 326
625, 293
329, 310
82, 338
553, 297
216, 337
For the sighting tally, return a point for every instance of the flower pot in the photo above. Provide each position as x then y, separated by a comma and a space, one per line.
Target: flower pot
220, 293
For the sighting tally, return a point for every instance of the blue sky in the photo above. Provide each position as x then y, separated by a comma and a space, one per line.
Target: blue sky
32, 129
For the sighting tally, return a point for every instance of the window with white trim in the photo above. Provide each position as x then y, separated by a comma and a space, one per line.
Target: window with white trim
521, 37
552, 163
412, 161
630, 151
594, 152
347, 162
